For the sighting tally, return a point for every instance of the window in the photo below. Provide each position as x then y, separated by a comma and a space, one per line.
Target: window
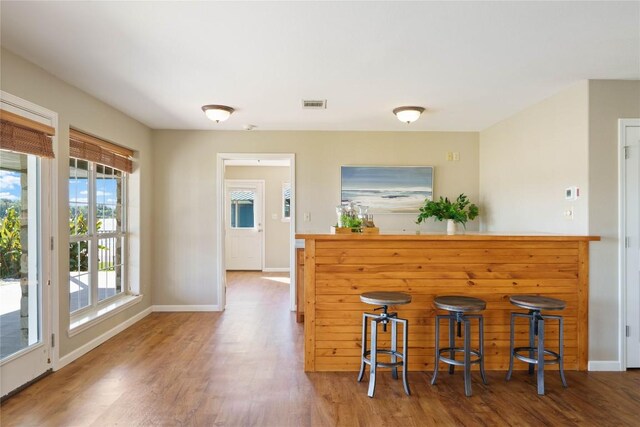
97, 222
242, 205
286, 201
98, 235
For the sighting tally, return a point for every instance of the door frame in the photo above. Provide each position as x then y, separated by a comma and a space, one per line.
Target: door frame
261, 185
48, 218
220, 226
622, 232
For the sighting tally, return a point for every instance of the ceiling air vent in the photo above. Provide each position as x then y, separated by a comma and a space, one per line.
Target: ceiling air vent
314, 104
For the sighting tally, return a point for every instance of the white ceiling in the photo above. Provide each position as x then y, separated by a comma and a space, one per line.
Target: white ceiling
470, 64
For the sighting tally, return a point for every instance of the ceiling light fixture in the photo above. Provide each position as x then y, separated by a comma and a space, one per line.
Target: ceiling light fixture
408, 114
217, 113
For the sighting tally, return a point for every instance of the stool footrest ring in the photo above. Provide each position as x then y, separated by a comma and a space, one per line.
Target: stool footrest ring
367, 360
534, 360
450, 361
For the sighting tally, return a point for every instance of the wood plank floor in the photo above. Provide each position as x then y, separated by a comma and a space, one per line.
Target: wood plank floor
244, 368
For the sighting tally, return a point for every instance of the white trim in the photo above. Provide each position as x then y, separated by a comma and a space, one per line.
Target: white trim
622, 232
220, 238
179, 308
604, 366
220, 262
292, 234
98, 314
276, 270
81, 351
622, 291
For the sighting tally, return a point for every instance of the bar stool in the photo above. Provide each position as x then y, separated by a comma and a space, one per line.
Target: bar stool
536, 351
370, 357
458, 307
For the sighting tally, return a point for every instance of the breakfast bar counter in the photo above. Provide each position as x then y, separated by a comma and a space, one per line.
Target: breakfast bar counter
340, 267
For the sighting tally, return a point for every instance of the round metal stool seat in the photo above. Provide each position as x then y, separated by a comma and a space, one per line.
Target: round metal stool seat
459, 303
534, 354
370, 356
385, 298
458, 307
535, 302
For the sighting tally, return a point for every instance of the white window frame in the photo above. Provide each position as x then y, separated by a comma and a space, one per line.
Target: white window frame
86, 316
282, 216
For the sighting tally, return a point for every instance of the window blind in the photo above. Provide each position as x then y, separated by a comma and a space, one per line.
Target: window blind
87, 147
24, 135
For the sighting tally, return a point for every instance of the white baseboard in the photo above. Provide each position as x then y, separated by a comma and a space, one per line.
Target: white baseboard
276, 270
81, 351
162, 308
604, 365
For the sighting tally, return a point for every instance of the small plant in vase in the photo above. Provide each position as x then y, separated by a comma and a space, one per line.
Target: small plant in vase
455, 212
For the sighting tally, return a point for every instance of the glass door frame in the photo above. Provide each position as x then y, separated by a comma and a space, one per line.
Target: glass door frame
26, 365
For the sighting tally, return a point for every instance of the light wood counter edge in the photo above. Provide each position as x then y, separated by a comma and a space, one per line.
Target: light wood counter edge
435, 237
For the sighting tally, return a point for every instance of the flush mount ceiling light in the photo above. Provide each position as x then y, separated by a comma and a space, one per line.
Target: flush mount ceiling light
408, 114
217, 113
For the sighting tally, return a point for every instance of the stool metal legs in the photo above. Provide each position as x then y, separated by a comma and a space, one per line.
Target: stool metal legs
452, 343
394, 348
374, 358
370, 357
364, 353
536, 351
467, 351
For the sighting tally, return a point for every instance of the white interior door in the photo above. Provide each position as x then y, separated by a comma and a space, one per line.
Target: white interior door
244, 219
25, 216
632, 256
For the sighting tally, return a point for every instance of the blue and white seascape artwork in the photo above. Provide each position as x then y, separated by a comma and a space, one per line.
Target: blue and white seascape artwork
387, 189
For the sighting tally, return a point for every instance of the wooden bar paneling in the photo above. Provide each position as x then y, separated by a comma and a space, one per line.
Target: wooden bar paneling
339, 268
299, 285
310, 305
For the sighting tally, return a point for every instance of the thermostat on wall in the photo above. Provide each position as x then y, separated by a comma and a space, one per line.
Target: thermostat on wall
571, 193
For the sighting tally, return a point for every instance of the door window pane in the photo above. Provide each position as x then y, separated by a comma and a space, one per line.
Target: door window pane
19, 240
242, 206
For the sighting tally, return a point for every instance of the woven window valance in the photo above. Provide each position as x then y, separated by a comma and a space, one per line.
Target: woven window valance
24, 135
87, 147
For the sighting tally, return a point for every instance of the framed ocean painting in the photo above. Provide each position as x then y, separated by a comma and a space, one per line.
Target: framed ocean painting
387, 189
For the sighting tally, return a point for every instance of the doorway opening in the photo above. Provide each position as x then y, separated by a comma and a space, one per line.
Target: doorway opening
256, 220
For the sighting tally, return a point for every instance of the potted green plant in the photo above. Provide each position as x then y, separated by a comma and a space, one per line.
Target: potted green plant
455, 212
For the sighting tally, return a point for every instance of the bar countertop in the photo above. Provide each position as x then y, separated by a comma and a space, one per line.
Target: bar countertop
439, 236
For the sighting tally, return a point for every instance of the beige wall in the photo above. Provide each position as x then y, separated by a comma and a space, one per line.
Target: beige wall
185, 210
608, 101
78, 109
568, 139
527, 161
276, 231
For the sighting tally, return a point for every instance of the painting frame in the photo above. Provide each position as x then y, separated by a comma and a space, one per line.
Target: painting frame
387, 189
